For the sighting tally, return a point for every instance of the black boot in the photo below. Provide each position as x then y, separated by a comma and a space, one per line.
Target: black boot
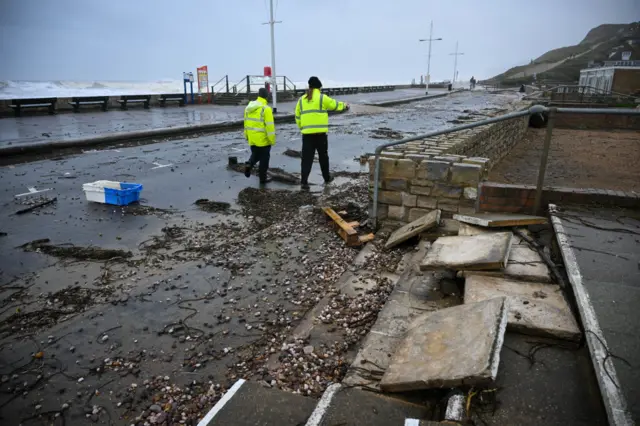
265, 180
247, 170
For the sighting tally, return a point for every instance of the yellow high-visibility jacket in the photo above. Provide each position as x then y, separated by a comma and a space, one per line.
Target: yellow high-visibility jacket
312, 116
259, 128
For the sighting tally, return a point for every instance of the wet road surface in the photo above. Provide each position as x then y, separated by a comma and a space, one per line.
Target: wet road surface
31, 129
237, 288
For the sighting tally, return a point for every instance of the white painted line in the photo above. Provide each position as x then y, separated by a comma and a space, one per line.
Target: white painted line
159, 166
411, 422
220, 404
239, 149
613, 399
323, 405
33, 190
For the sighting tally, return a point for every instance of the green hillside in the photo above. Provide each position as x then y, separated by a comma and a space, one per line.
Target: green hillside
565, 63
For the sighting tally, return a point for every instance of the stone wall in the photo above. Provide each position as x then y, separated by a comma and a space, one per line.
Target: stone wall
441, 172
597, 122
501, 197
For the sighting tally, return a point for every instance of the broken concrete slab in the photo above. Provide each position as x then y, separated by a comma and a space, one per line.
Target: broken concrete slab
411, 298
524, 262
436, 350
492, 220
414, 228
534, 308
478, 252
447, 228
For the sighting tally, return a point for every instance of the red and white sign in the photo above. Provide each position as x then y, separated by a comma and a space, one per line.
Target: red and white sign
203, 79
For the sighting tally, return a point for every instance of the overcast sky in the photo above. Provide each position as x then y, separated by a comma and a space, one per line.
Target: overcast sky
338, 40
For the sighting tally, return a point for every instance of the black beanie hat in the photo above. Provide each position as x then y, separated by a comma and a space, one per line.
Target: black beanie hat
262, 92
315, 83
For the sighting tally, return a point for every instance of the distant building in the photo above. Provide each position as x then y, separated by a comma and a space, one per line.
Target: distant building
609, 79
619, 73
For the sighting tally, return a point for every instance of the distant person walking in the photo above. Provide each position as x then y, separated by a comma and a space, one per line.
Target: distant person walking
472, 83
260, 132
312, 117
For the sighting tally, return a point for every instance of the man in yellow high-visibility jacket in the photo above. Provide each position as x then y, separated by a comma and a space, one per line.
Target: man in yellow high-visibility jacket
260, 132
312, 117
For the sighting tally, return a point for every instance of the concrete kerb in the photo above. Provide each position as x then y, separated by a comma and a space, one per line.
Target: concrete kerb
49, 146
612, 397
409, 100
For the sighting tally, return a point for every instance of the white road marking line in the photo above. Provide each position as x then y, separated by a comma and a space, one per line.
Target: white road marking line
323, 405
159, 166
32, 190
220, 404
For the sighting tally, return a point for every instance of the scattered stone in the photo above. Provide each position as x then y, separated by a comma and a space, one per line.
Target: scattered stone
435, 352
104, 338
308, 350
155, 408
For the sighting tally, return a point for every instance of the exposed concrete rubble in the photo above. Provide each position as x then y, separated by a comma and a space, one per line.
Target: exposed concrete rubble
496, 220
414, 228
425, 339
535, 308
436, 350
524, 263
487, 251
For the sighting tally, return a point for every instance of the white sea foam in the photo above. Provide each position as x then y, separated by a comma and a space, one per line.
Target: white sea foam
13, 89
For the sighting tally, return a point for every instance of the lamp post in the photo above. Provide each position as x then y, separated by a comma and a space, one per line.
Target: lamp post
273, 57
430, 39
455, 64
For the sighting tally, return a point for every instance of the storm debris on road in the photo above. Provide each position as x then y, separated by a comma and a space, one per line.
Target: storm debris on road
36, 206
293, 153
75, 252
276, 173
213, 206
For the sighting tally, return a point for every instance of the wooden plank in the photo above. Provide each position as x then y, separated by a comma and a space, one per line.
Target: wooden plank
353, 224
344, 226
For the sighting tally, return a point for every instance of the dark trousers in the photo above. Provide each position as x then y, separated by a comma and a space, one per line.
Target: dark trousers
260, 154
310, 144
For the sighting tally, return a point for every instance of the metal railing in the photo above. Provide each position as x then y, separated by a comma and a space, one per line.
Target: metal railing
220, 86
575, 93
535, 109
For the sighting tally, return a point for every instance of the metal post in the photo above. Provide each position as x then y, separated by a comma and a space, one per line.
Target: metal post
426, 92
273, 60
248, 85
543, 160
226, 77
430, 39
455, 66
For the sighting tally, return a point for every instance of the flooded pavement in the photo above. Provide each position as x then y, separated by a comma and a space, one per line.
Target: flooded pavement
88, 123
204, 297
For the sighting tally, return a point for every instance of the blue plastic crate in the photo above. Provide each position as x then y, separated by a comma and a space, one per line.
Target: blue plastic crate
109, 192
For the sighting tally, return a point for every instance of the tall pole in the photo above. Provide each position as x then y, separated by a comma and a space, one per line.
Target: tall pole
455, 65
429, 60
273, 60
430, 39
